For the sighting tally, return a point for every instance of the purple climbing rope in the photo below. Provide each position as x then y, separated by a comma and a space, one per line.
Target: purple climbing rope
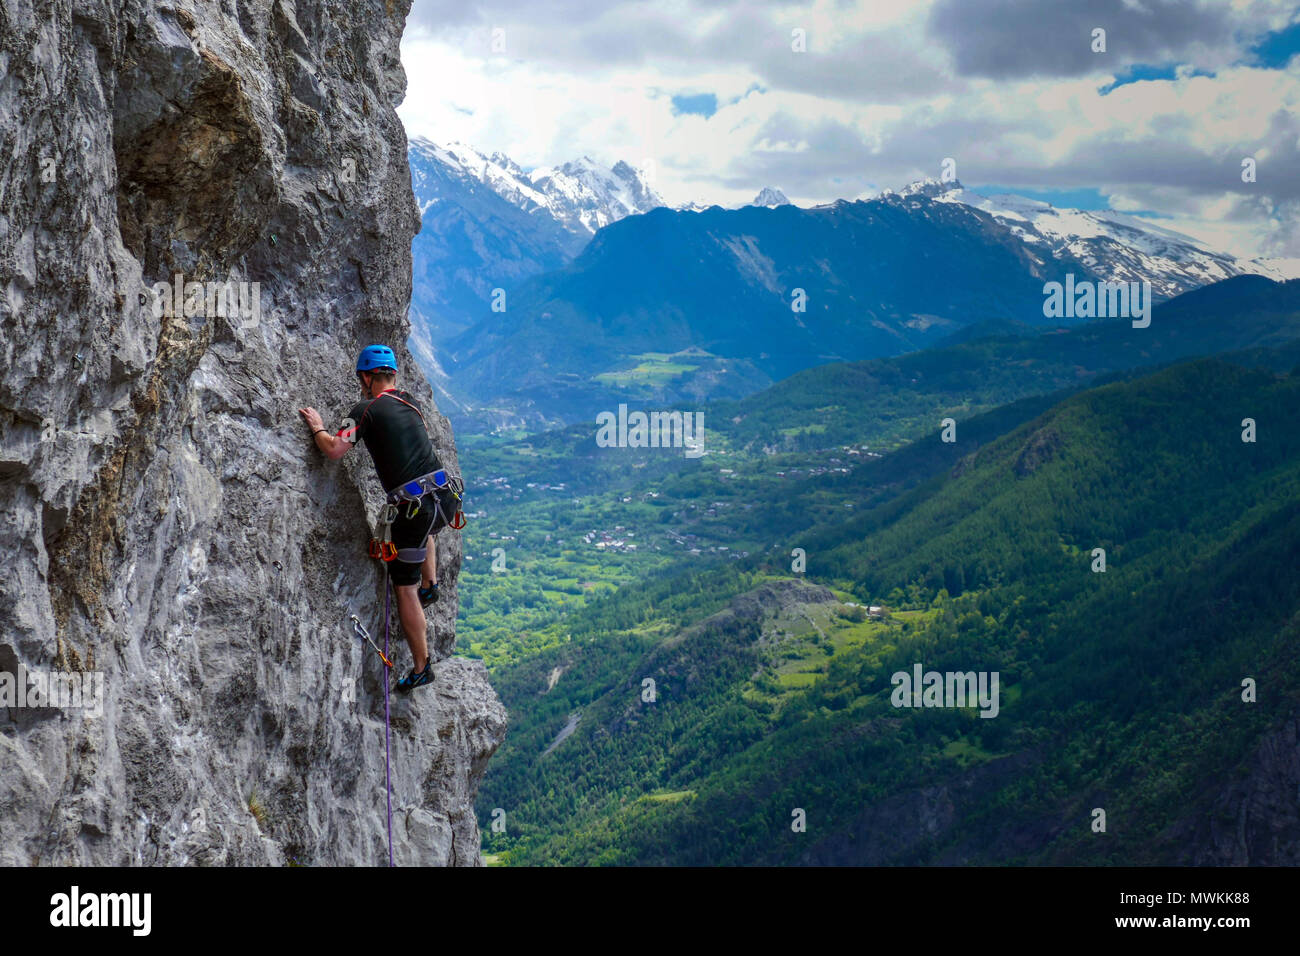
388, 760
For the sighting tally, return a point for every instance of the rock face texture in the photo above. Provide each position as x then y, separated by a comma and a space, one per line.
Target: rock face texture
165, 522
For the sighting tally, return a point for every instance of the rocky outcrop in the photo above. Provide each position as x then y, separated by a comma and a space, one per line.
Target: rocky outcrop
1252, 818
776, 596
1043, 446
165, 522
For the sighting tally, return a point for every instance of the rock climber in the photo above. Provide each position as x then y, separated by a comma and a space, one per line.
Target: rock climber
391, 424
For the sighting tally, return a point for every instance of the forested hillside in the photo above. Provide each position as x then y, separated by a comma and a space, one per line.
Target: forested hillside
1119, 690
562, 520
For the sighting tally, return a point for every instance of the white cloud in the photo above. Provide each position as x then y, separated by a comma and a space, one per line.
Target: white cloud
875, 102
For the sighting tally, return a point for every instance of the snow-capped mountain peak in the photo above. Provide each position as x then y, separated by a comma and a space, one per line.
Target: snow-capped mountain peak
580, 195
1114, 245
769, 196
930, 188
586, 196
467, 164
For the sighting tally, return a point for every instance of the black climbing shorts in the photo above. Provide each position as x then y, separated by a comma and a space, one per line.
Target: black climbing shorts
433, 516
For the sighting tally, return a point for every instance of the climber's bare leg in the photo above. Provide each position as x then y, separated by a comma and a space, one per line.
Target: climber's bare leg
413, 624
429, 572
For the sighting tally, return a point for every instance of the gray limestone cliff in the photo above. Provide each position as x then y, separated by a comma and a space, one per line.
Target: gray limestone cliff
165, 523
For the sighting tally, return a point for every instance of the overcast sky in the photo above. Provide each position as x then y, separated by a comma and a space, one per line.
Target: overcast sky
712, 98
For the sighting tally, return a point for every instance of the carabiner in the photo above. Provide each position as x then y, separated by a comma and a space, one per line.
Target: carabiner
362, 633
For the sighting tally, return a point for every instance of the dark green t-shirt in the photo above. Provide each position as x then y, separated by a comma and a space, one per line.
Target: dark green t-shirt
393, 429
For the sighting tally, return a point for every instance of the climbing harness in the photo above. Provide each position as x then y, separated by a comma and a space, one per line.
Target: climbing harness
417, 488
409, 495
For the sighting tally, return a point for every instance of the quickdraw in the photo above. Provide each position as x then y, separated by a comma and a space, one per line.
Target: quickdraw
382, 547
361, 632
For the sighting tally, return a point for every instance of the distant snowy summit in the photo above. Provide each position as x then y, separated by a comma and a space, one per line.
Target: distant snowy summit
769, 197
583, 192
581, 195
1118, 246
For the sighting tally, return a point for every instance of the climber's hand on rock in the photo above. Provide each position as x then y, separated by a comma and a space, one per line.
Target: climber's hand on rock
333, 446
313, 418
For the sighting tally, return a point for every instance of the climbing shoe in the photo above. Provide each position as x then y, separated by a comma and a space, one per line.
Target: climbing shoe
415, 679
428, 595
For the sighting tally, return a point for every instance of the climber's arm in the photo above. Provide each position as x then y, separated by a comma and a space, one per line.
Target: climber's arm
333, 447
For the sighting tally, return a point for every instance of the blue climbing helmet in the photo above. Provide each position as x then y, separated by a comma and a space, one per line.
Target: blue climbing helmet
376, 356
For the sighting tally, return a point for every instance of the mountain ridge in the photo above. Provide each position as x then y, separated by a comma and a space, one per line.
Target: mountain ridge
503, 231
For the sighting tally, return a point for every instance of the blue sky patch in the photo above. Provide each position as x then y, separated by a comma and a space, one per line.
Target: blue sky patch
702, 104
1086, 198
1140, 72
1274, 50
